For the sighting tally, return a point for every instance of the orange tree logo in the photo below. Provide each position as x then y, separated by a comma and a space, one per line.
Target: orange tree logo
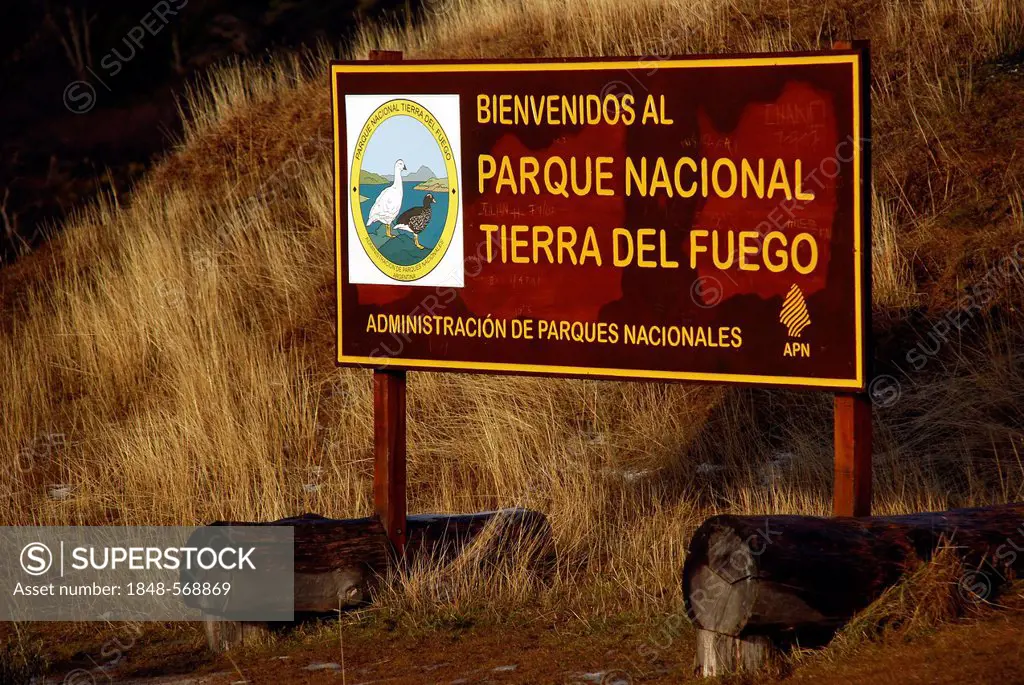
794, 314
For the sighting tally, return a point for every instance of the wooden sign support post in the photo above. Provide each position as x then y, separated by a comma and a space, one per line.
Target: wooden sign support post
851, 489
851, 492
389, 454
389, 430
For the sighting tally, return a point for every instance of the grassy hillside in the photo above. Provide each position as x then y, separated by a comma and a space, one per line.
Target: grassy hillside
169, 356
371, 178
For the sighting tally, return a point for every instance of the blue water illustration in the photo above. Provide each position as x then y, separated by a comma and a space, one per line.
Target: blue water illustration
401, 249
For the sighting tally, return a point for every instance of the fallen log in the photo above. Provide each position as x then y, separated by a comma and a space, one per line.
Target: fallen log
800, 578
338, 562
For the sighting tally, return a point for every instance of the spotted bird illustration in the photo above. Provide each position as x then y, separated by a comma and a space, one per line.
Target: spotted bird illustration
415, 219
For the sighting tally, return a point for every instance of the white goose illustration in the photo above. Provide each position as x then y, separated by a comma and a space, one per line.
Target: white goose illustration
389, 203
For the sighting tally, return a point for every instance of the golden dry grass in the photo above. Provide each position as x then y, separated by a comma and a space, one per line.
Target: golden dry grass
935, 593
169, 360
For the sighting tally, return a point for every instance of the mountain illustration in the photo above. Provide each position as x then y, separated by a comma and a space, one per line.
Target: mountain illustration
422, 174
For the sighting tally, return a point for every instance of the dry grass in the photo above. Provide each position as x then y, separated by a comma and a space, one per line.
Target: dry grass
170, 361
892, 283
929, 596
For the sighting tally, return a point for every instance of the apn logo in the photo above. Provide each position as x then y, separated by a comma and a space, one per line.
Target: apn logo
794, 314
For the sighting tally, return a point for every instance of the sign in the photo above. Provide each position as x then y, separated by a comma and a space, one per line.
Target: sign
695, 218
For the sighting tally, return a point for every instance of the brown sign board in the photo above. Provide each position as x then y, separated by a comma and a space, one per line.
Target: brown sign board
690, 218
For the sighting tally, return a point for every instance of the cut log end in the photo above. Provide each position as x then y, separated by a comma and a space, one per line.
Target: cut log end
754, 581
222, 636
719, 654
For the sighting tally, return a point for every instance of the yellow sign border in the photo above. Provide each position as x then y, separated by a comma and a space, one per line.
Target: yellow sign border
423, 267
853, 59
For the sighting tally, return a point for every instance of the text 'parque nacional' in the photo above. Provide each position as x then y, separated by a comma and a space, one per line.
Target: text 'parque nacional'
701, 219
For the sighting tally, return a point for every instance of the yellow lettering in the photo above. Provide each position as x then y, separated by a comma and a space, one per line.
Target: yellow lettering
800, 194
643, 247
543, 243
485, 168
483, 109
775, 267
506, 177
632, 177
529, 167
692, 190
566, 241
590, 247
603, 175
780, 181
488, 229
666, 263
731, 188
617, 258
808, 266
696, 249
746, 249
650, 112
723, 263
517, 243
660, 178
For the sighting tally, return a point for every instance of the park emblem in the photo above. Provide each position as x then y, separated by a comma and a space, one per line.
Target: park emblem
404, 191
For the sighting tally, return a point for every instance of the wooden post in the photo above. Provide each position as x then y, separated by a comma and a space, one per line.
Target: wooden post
389, 454
389, 430
851, 494
385, 55
851, 490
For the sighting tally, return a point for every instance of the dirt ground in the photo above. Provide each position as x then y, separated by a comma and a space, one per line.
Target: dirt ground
984, 649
